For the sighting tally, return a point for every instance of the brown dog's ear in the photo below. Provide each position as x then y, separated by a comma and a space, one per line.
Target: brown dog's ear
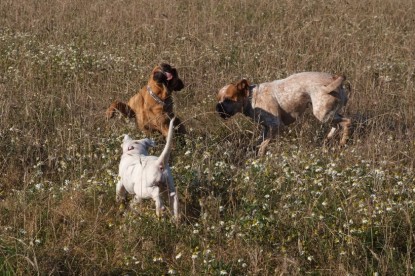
178, 85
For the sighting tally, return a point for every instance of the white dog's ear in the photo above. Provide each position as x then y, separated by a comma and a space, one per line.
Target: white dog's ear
126, 138
149, 142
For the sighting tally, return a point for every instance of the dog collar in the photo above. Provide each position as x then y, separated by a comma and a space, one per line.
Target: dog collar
251, 90
154, 96
247, 108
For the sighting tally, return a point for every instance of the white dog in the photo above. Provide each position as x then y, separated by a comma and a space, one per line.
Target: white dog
146, 176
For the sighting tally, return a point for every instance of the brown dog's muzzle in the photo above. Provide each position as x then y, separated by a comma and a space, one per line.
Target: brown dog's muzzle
167, 75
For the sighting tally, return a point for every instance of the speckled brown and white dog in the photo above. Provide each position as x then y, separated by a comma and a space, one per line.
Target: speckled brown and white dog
152, 106
280, 102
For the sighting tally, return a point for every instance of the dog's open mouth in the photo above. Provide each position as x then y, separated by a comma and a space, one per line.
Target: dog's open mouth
169, 75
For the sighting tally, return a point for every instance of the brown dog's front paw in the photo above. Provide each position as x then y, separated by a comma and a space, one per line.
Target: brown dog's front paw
109, 113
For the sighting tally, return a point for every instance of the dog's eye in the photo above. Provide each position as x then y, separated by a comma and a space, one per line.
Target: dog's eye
130, 148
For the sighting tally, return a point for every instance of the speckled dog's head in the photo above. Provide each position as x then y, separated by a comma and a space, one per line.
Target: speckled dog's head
232, 98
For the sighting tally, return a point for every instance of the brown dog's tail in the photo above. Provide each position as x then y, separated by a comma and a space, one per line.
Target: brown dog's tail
164, 156
123, 108
334, 84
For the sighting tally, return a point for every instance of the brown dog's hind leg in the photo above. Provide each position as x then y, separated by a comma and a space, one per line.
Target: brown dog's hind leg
121, 107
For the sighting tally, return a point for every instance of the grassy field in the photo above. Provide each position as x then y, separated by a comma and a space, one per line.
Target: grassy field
301, 209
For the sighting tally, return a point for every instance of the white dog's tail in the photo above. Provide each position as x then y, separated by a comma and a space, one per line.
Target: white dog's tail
164, 156
334, 84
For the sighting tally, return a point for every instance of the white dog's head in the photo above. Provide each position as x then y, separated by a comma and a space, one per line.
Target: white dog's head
136, 146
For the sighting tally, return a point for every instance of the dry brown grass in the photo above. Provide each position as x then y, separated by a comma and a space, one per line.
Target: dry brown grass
63, 62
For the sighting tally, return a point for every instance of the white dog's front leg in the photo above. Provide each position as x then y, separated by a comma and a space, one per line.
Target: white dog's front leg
175, 199
120, 192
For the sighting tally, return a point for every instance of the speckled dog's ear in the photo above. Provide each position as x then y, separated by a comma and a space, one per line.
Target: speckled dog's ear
243, 87
242, 84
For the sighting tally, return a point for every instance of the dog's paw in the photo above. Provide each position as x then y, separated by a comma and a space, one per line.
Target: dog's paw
109, 113
121, 208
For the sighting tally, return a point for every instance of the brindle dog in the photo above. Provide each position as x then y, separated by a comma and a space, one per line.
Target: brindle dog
152, 106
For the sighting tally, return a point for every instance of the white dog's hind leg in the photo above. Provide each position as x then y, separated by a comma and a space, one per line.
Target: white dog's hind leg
157, 199
134, 202
173, 198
